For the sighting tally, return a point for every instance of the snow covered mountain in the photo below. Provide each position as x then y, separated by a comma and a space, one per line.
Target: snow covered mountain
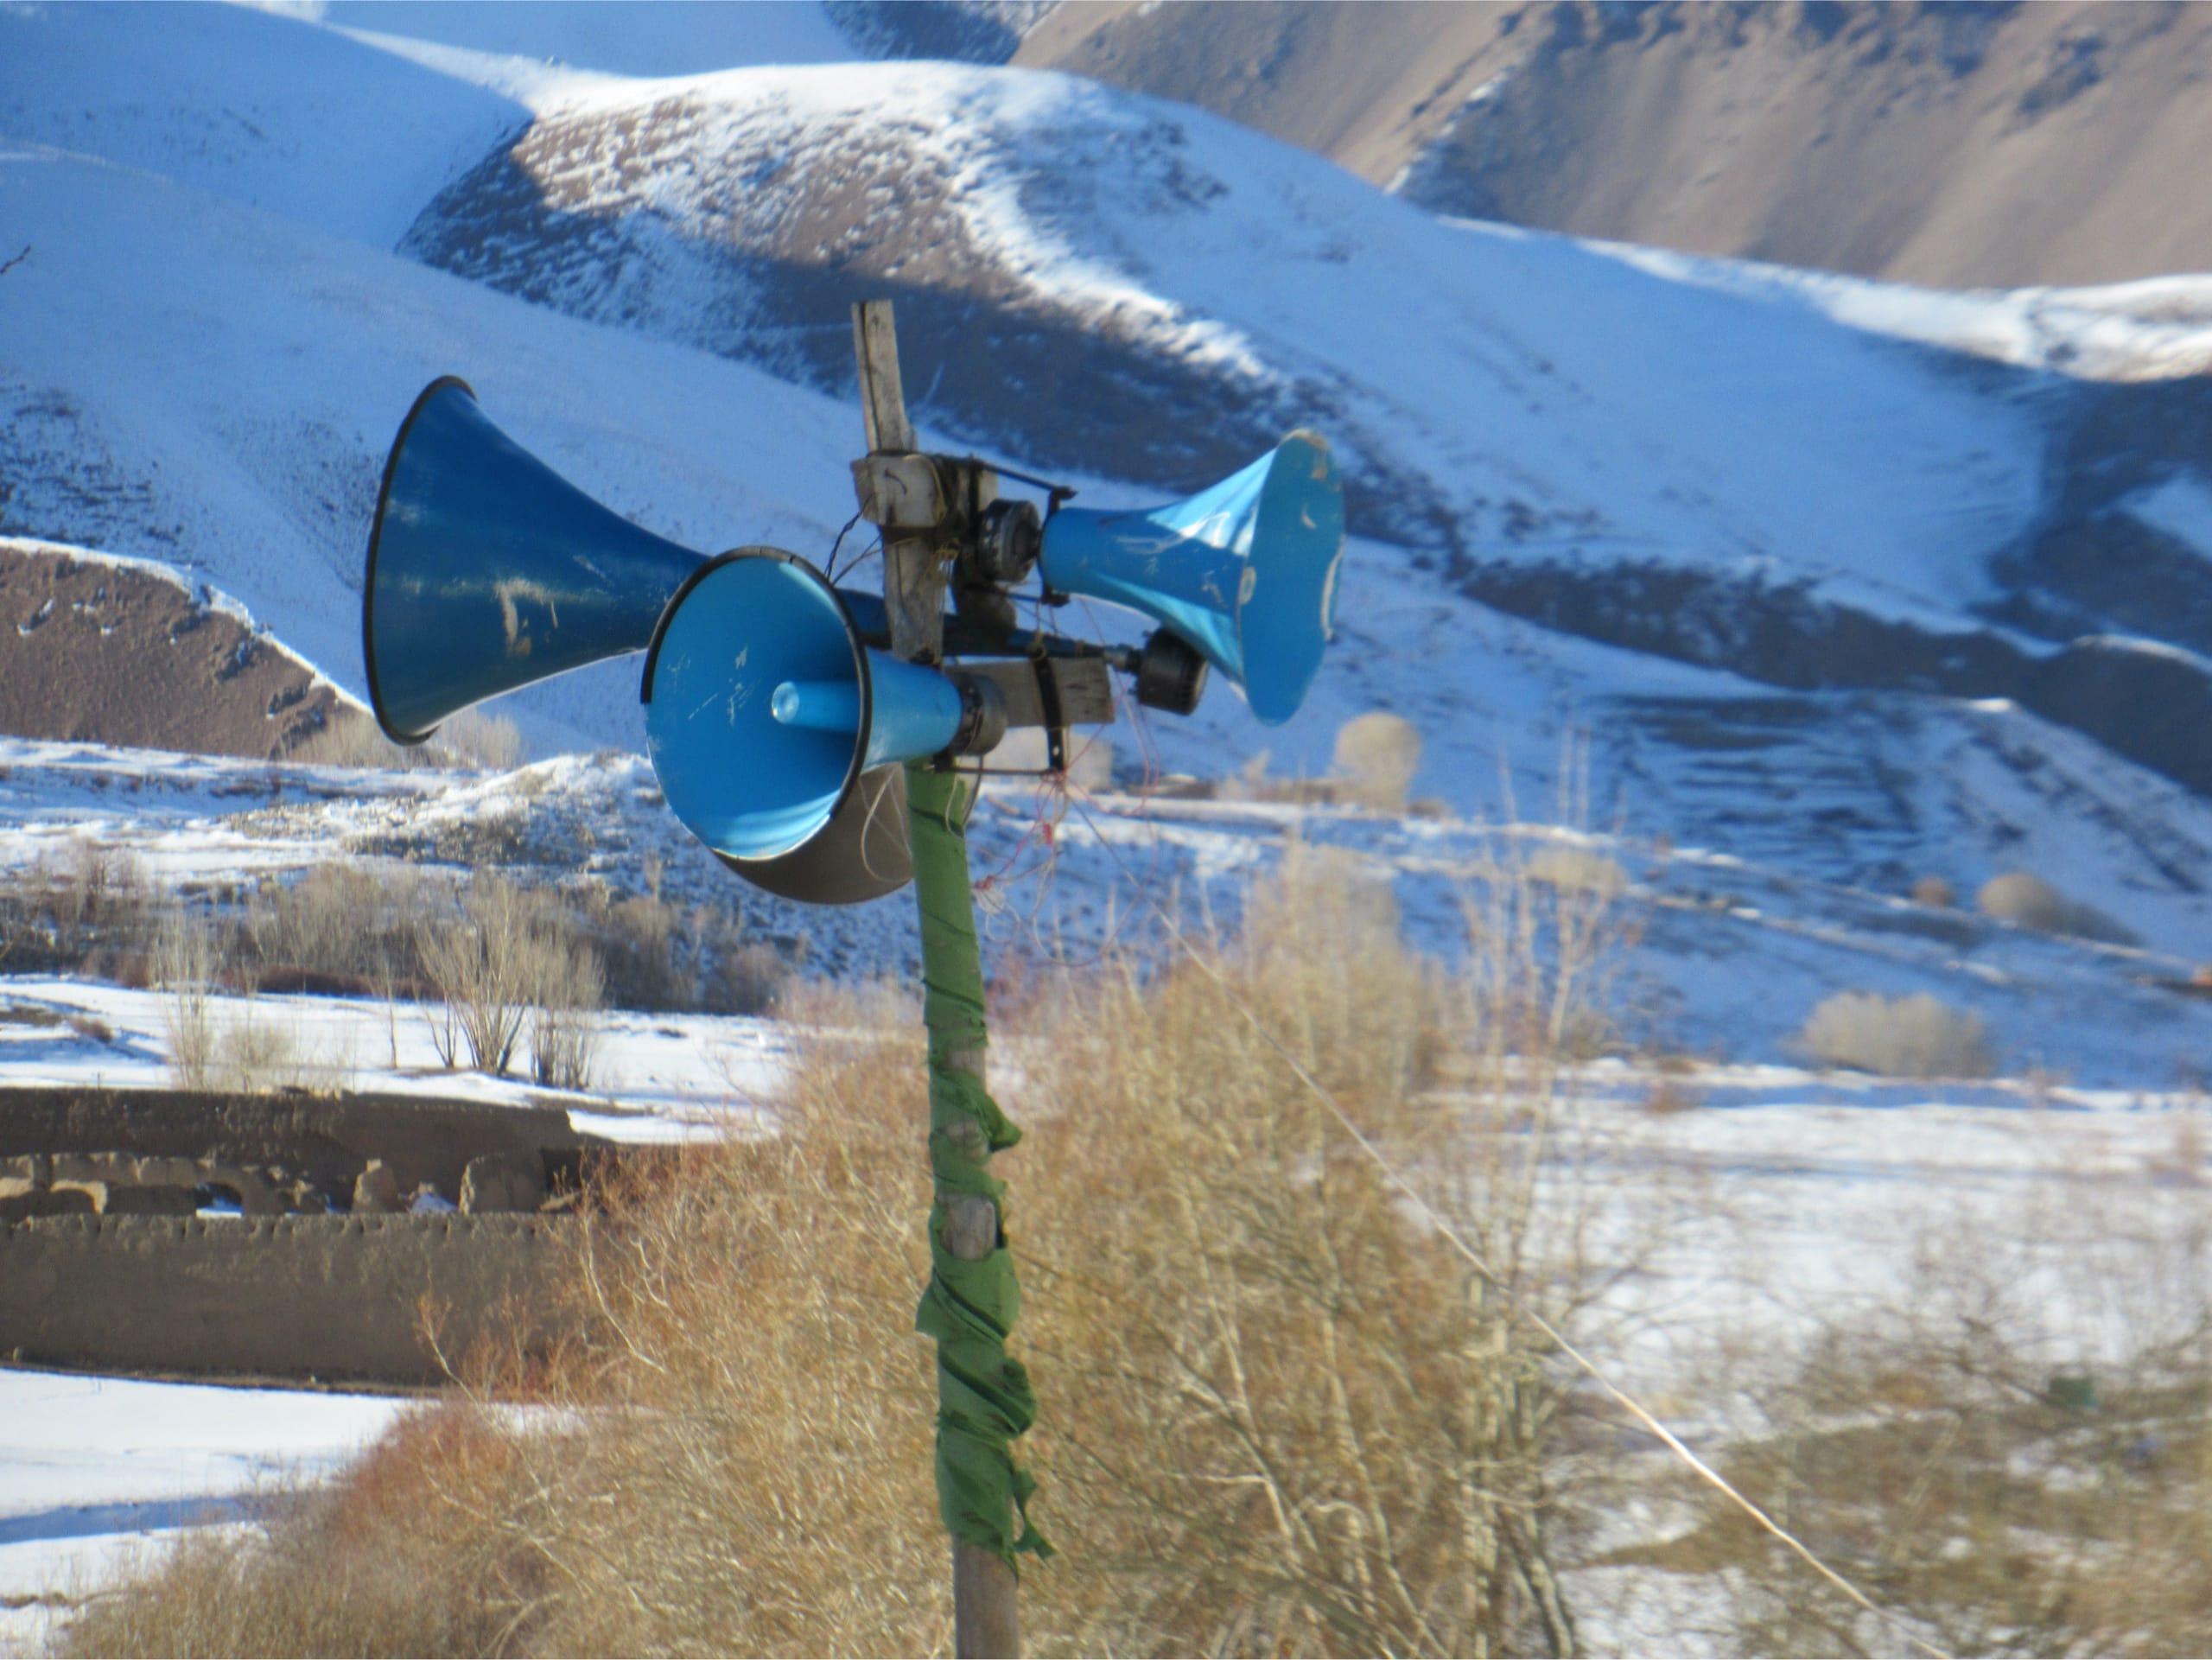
1869, 582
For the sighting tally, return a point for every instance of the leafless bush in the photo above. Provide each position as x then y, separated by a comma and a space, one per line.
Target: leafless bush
642, 947
255, 1057
503, 961
1279, 1416
475, 738
348, 738
745, 980
565, 1023
184, 967
90, 910
480, 962
1917, 1036
1376, 756
2027, 901
343, 926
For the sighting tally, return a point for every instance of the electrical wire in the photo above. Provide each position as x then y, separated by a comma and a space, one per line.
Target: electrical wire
829, 565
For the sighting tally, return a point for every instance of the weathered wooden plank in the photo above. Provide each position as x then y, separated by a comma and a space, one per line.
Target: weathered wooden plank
899, 492
883, 399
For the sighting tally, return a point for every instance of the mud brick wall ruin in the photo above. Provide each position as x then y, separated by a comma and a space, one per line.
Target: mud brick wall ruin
327, 1298
364, 1224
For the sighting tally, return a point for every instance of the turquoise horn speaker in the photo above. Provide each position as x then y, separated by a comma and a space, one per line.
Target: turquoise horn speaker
764, 709
488, 571
1245, 572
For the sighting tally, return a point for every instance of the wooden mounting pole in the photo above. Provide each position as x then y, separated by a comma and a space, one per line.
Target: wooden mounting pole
986, 1624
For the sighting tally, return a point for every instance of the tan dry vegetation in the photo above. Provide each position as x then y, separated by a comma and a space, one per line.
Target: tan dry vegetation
1963, 1456
471, 739
1375, 758
2026, 900
1279, 1416
87, 908
507, 964
1915, 1036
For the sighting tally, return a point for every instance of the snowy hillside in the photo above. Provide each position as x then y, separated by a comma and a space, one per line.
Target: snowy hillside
1846, 562
1800, 600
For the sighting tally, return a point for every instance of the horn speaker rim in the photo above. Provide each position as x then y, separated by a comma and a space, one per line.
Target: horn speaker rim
854, 766
810, 873
376, 538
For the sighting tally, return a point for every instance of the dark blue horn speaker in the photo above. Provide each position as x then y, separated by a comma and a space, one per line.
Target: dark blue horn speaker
1246, 572
765, 710
488, 570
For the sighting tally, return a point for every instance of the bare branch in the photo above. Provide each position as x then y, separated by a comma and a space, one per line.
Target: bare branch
17, 260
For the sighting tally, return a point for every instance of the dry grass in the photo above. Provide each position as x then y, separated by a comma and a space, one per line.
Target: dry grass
470, 739
384, 1563
1278, 1417
1979, 1473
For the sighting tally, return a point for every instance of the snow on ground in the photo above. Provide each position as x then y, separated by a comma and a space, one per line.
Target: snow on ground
2180, 507
2156, 329
92, 1469
1736, 953
1566, 400
1758, 1202
663, 1076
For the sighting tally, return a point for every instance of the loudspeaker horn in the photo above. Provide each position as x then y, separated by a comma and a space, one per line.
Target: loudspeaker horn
764, 708
1245, 572
488, 571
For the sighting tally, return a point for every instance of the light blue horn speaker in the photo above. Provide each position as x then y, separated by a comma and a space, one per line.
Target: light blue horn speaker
488, 570
764, 709
1246, 572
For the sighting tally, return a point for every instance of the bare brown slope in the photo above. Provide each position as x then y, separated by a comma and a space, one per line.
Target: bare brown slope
1956, 144
101, 653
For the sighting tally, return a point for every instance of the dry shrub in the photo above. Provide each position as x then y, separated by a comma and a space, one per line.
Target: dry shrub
1284, 1418
1376, 756
395, 1560
641, 951
1567, 865
90, 910
470, 739
504, 959
743, 979
656, 955
1279, 1414
345, 927
1918, 1036
564, 1025
1954, 1454
1934, 891
2027, 901
184, 968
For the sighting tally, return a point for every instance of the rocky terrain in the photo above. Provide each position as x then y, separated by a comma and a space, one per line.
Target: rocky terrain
1964, 144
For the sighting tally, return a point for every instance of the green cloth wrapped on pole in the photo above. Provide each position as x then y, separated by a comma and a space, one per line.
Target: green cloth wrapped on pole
984, 1398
